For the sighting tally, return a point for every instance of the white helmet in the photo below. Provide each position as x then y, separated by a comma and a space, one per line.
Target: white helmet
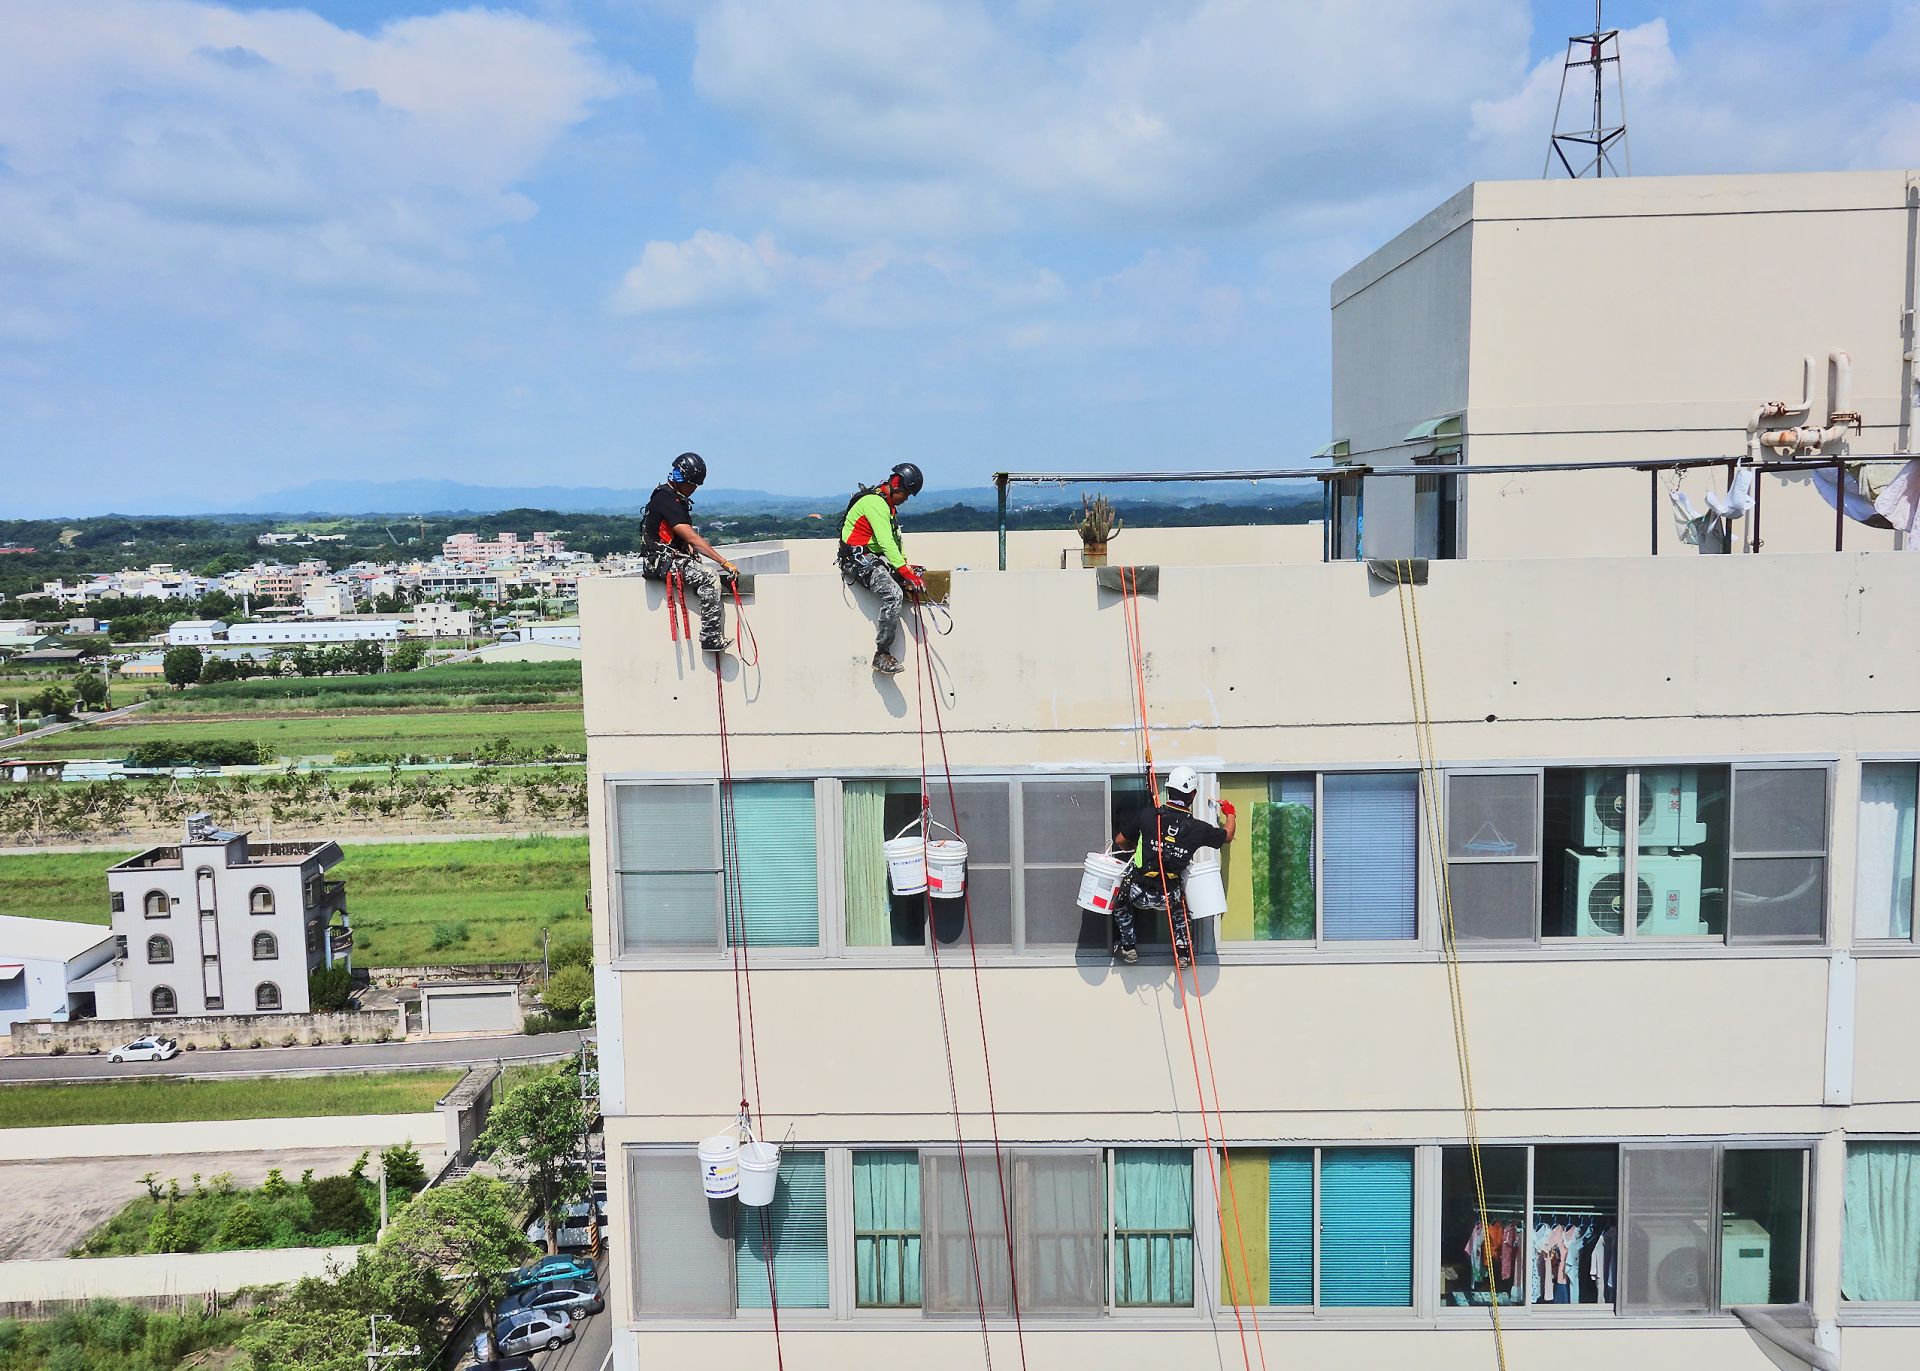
1183, 780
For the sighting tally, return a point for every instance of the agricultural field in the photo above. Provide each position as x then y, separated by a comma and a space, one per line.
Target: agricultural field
47, 1104
120, 692
553, 685
412, 904
458, 734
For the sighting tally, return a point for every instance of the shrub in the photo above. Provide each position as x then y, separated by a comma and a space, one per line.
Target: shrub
290, 1040
330, 989
403, 1167
570, 987
447, 935
571, 949
549, 1023
257, 1042
275, 1186
243, 1227
199, 752
339, 1206
57, 1050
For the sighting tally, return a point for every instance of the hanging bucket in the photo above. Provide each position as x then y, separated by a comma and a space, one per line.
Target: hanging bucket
947, 868
759, 1173
1100, 882
906, 865
720, 1165
1205, 887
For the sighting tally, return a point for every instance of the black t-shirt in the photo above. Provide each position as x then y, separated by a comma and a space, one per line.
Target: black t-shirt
1172, 837
667, 509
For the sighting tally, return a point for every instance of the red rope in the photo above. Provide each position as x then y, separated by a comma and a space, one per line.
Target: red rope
946, 1034
1130, 601
733, 900
745, 633
979, 999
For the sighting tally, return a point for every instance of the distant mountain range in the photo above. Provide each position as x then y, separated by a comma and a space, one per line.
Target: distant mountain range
455, 497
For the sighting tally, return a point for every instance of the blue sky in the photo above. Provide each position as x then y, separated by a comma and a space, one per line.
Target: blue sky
243, 247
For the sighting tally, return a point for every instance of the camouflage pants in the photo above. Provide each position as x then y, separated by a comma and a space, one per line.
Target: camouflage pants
703, 583
1143, 894
859, 568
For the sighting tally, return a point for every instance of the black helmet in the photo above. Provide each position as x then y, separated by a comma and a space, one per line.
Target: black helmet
908, 477
689, 468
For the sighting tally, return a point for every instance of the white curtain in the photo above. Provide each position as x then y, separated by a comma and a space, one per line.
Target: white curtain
1883, 892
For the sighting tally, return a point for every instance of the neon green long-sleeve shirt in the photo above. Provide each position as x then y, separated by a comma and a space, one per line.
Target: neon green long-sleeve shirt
871, 522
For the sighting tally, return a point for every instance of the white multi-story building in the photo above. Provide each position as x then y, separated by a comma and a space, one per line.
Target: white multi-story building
441, 620
327, 600
1668, 825
473, 550
220, 925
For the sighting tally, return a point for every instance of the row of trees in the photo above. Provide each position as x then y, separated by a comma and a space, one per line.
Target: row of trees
187, 665
100, 810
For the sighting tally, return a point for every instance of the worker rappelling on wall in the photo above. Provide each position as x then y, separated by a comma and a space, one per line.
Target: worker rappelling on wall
670, 547
1161, 842
871, 555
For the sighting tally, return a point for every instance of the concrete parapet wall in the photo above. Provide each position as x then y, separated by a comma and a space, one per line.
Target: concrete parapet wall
27, 1283
227, 1135
40, 1037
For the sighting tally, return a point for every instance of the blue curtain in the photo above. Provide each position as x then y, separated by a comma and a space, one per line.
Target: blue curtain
798, 1222
1290, 1227
1371, 862
1881, 1256
886, 1229
1153, 1226
779, 865
1366, 1227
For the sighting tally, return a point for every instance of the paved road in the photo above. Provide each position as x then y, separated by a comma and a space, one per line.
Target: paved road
588, 1351
299, 1061
104, 717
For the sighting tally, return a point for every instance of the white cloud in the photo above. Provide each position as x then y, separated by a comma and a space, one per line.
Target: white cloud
144, 137
708, 273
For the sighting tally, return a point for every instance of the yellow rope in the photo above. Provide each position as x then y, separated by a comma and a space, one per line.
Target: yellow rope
1443, 890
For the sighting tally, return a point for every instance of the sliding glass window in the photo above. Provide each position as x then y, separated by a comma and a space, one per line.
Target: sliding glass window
1550, 1235
1326, 1228
1884, 879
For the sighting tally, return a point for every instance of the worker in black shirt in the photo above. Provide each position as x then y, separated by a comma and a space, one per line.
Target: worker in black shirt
669, 545
1162, 839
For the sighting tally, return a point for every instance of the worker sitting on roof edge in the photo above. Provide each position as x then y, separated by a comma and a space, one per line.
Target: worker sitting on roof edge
870, 555
1163, 839
669, 543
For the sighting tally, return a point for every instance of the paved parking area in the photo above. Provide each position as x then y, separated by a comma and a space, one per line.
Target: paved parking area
52, 1205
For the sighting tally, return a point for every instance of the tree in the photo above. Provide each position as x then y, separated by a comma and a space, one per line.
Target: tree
92, 691
330, 989
182, 665
301, 1339
570, 987
339, 1206
403, 1168
243, 1227
466, 1229
538, 1130
219, 669
55, 701
409, 656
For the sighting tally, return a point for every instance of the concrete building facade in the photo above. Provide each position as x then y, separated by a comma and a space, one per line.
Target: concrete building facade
1670, 822
44, 966
219, 924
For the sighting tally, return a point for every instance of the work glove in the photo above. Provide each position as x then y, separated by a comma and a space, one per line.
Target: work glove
911, 578
1226, 808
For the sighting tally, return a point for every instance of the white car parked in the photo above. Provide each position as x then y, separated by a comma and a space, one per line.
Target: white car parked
146, 1050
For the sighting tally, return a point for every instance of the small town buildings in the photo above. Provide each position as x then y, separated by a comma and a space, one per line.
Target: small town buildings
218, 924
44, 965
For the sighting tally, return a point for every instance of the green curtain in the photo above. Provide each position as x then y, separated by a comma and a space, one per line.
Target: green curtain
1881, 1256
1153, 1226
863, 824
886, 1229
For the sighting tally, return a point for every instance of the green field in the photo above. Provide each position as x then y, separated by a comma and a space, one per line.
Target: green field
37, 1105
448, 734
439, 687
484, 900
119, 692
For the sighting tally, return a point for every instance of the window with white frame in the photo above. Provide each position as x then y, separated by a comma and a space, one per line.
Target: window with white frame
1707, 1227
1326, 1228
1331, 857
1736, 853
670, 891
1884, 877
1549, 1235
1027, 840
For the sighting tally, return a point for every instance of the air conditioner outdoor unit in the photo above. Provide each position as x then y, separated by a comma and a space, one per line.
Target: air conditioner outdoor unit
1667, 903
1668, 809
1746, 1263
1677, 1262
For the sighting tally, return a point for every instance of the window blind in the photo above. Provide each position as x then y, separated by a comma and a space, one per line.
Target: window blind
1371, 861
1366, 1228
797, 1223
1290, 1226
779, 864
682, 1242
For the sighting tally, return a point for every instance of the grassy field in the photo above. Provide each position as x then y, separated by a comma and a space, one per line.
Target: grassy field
481, 901
37, 1105
120, 692
447, 734
468, 683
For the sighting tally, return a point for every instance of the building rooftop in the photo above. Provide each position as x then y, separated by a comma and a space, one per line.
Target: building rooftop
49, 939
258, 854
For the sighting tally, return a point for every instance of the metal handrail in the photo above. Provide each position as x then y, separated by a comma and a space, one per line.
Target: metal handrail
1653, 466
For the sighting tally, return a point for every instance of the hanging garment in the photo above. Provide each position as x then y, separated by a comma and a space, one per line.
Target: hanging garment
1898, 502
1859, 508
1576, 1241
1598, 1267
1476, 1252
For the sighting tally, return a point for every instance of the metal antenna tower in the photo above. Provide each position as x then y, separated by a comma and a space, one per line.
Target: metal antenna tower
1590, 151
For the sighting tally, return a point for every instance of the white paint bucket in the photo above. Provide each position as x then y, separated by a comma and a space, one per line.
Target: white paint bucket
759, 1173
1100, 882
906, 864
947, 868
720, 1165
1206, 888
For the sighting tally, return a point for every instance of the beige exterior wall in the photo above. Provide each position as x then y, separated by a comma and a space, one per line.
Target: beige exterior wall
1641, 318
1040, 549
1269, 667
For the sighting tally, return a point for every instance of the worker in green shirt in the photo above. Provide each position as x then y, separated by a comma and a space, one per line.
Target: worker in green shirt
870, 555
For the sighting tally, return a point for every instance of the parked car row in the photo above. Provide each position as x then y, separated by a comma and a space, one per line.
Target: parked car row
545, 1299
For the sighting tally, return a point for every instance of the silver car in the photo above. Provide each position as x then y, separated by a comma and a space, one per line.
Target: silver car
576, 1298
528, 1329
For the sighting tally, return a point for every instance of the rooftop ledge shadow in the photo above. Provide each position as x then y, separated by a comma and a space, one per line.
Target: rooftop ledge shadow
1231, 651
